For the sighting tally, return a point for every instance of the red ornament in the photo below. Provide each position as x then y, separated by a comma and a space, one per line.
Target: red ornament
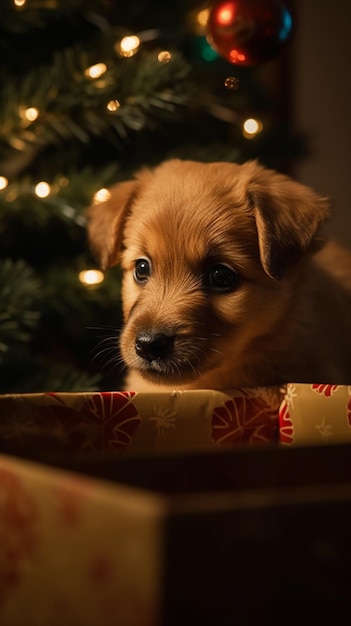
248, 32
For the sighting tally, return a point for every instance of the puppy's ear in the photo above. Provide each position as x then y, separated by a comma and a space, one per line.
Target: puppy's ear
106, 222
288, 216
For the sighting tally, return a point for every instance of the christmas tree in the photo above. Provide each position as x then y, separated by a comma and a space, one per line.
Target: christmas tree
92, 90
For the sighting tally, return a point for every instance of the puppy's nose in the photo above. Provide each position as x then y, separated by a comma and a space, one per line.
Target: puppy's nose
152, 346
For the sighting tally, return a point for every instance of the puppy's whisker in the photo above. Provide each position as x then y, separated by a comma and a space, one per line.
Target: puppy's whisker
200, 354
108, 340
104, 349
102, 354
105, 357
217, 351
115, 361
113, 364
106, 352
106, 327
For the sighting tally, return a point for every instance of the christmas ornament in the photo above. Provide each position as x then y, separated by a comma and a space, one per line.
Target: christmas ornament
248, 32
231, 82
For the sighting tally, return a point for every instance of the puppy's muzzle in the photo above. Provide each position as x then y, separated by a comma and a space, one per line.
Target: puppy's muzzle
153, 346
167, 355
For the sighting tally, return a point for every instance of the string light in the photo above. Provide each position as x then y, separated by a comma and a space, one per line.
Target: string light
100, 84
42, 189
225, 15
128, 46
113, 105
202, 17
251, 128
95, 71
101, 195
29, 114
231, 82
17, 143
32, 113
91, 277
3, 182
208, 53
164, 56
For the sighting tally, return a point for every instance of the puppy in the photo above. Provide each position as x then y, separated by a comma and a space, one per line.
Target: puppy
226, 281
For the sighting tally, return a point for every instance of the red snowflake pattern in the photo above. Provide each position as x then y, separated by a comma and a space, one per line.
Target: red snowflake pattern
18, 530
117, 416
70, 497
103, 421
244, 419
286, 426
348, 409
325, 390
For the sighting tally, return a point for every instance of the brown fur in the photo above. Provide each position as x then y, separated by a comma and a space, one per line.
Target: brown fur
288, 317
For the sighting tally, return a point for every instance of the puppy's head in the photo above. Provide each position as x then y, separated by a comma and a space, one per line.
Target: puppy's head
210, 254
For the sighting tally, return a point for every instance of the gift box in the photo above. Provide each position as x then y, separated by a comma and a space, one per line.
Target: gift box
245, 534
315, 414
184, 508
129, 422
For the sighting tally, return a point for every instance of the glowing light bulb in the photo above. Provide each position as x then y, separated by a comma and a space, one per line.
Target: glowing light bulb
236, 56
231, 82
63, 182
252, 127
113, 105
95, 71
101, 195
164, 56
42, 189
19, 3
91, 277
28, 114
202, 17
128, 46
31, 114
225, 14
3, 182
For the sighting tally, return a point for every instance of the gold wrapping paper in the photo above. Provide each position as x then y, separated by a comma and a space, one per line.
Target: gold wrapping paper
315, 414
113, 422
76, 551
85, 552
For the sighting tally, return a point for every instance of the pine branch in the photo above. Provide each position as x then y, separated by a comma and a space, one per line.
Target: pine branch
73, 107
24, 373
39, 14
70, 193
20, 292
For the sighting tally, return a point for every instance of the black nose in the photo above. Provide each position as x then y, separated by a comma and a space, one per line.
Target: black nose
151, 346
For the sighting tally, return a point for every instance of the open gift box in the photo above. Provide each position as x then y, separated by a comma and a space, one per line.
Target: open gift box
113, 519
131, 422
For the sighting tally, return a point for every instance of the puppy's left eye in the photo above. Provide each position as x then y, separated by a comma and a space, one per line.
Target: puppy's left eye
142, 270
222, 278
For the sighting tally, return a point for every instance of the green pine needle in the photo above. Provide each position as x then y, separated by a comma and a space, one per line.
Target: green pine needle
20, 291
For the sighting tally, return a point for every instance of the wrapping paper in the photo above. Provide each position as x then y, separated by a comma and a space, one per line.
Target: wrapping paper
76, 551
315, 414
127, 421
123, 422
84, 552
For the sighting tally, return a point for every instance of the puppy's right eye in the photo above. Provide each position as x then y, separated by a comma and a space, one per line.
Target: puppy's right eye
222, 278
142, 270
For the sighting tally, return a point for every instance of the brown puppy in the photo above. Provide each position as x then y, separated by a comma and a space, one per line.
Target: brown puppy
224, 281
